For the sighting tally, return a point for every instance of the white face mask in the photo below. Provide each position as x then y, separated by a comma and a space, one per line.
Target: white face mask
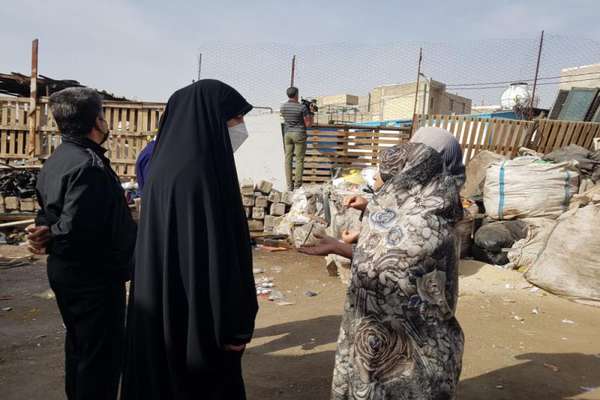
238, 135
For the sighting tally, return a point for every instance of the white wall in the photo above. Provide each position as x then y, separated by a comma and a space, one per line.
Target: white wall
262, 156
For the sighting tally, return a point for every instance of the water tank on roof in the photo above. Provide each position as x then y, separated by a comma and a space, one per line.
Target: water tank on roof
516, 94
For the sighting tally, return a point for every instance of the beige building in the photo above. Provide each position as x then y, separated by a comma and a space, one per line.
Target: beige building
390, 102
398, 101
587, 76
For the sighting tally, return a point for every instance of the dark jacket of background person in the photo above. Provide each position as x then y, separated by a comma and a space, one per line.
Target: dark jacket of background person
193, 287
91, 242
82, 201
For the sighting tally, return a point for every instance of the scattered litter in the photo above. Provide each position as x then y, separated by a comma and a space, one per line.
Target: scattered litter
7, 309
567, 321
552, 367
508, 300
587, 388
534, 289
535, 311
310, 293
14, 262
284, 303
509, 286
276, 295
264, 285
271, 249
46, 295
499, 386
257, 271
520, 319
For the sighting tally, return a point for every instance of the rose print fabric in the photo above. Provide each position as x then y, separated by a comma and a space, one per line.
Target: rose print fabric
399, 338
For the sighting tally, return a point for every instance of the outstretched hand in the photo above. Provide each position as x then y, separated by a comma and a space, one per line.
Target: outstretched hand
356, 202
327, 245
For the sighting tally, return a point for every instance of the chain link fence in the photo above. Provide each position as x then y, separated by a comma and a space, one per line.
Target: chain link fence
456, 77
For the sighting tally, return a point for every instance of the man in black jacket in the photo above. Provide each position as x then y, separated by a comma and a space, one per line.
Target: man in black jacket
87, 230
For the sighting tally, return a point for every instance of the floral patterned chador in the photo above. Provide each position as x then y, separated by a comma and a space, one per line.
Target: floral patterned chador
399, 338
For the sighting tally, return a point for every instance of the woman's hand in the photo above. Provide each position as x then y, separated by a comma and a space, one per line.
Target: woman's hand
235, 348
356, 202
327, 245
349, 236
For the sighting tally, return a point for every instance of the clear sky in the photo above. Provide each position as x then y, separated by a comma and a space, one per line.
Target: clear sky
147, 49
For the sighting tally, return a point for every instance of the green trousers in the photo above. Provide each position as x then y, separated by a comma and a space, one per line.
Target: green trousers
295, 146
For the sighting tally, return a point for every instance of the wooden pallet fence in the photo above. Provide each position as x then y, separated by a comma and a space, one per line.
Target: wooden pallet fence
506, 136
502, 136
555, 134
132, 125
332, 147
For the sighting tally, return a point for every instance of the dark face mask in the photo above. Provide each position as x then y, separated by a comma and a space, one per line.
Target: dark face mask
105, 132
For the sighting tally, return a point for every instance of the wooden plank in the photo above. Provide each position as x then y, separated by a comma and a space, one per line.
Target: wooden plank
517, 140
589, 142
581, 133
472, 134
153, 121
144, 126
343, 134
557, 127
566, 140
21, 150
3, 140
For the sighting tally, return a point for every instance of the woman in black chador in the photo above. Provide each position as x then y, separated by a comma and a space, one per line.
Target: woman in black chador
193, 303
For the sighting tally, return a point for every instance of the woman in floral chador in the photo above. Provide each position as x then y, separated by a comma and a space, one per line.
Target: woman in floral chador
399, 338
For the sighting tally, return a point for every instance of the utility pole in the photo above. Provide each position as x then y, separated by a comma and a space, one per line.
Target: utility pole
199, 65
418, 76
32, 114
537, 71
293, 71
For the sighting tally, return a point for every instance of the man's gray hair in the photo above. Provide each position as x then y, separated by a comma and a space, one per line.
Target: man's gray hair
75, 110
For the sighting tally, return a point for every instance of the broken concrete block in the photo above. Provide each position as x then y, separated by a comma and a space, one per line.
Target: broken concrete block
27, 205
272, 221
248, 211
11, 203
264, 187
255, 225
287, 198
261, 201
275, 196
247, 187
277, 209
248, 201
258, 213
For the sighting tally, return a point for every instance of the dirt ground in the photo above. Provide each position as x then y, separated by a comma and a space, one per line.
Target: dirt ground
520, 343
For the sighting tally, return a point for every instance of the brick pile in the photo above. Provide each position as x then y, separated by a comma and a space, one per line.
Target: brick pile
264, 206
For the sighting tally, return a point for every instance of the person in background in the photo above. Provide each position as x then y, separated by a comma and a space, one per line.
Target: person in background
296, 118
399, 338
193, 303
142, 163
85, 226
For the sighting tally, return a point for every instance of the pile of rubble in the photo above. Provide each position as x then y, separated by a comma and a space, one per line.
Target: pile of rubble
17, 191
264, 205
